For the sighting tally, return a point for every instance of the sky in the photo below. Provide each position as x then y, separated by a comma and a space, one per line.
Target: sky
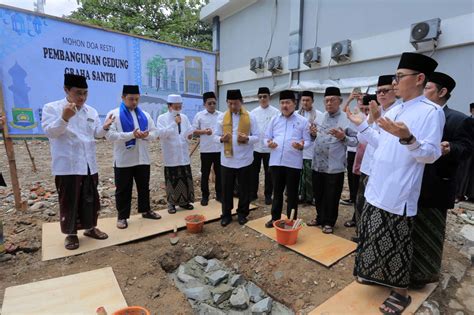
52, 7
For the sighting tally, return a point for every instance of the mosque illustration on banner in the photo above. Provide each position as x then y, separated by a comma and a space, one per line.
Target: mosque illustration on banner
22, 117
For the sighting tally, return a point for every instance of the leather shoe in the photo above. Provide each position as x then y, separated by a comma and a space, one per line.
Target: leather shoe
243, 220
226, 221
268, 201
204, 202
269, 224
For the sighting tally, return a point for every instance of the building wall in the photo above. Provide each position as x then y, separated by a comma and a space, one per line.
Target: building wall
247, 34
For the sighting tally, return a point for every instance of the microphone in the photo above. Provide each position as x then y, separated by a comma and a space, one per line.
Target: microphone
179, 125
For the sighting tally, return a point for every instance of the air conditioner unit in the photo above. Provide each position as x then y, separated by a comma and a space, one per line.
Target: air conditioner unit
312, 56
425, 31
274, 64
341, 51
256, 64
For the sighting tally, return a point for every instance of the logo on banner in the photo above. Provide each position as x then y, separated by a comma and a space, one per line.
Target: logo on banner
23, 118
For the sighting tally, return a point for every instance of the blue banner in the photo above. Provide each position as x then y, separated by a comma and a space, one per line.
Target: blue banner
36, 50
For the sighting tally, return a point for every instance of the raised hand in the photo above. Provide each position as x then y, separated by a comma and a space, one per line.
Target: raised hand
396, 128
226, 138
208, 131
69, 111
298, 145
272, 144
445, 147
108, 122
242, 138
354, 118
338, 133
177, 119
313, 130
374, 111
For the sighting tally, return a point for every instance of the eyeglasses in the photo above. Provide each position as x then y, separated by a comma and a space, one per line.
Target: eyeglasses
383, 91
262, 96
399, 76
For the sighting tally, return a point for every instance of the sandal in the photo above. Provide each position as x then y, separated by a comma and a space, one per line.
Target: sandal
71, 242
327, 229
395, 303
349, 223
96, 233
313, 222
122, 224
151, 215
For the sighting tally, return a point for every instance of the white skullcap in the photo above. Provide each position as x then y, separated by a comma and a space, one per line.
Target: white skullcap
174, 98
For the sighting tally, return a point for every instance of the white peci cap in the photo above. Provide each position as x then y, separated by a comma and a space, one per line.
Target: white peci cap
174, 98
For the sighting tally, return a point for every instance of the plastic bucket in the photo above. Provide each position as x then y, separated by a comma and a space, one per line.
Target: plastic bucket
132, 310
283, 236
195, 223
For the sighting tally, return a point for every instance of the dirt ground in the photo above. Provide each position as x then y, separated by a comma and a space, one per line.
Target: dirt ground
141, 266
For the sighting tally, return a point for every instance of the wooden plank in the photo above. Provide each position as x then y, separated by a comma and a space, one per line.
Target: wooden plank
326, 249
361, 299
53, 239
78, 294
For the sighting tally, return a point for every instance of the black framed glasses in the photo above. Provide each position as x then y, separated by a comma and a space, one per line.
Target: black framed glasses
399, 76
383, 91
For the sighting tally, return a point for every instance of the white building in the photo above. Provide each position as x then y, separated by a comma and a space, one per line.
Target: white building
379, 31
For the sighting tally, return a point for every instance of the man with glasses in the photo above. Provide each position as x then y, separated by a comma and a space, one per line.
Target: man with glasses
409, 138
333, 136
72, 127
314, 117
205, 123
131, 131
387, 99
438, 188
263, 115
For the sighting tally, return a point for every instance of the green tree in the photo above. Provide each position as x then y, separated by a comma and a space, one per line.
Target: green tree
155, 67
173, 21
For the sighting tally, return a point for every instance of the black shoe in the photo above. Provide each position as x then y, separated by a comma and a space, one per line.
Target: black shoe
269, 224
253, 198
243, 220
268, 200
151, 215
171, 209
204, 202
225, 221
187, 206
218, 199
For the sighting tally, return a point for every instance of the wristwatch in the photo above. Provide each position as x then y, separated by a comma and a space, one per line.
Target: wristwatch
406, 141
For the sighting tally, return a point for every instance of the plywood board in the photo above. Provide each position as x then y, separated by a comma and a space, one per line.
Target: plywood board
77, 294
358, 299
53, 239
326, 249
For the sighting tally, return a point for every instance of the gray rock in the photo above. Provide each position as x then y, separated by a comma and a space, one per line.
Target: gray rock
182, 276
280, 309
50, 212
457, 269
217, 277
198, 294
201, 261
433, 306
263, 307
212, 265
446, 279
221, 293
255, 293
239, 298
459, 313
33, 196
236, 280
37, 206
5, 257
235, 312
467, 232
205, 309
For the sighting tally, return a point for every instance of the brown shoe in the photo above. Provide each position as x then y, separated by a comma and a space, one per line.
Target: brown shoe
151, 215
96, 233
71, 242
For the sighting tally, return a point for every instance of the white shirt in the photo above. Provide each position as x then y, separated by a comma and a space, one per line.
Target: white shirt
242, 152
174, 145
314, 116
397, 170
263, 116
366, 163
72, 143
204, 120
136, 155
284, 131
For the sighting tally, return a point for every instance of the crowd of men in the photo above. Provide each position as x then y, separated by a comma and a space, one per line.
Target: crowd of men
404, 144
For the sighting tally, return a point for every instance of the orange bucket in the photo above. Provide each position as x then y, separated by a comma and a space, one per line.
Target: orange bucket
132, 310
195, 223
283, 236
